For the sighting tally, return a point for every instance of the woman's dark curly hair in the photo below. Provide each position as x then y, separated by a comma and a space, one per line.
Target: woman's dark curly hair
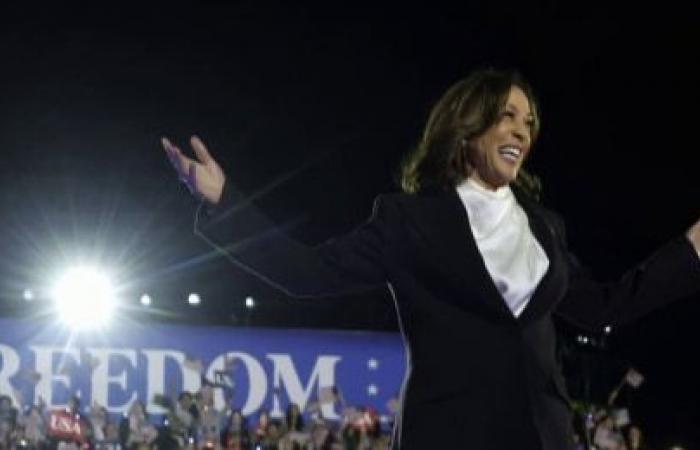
468, 108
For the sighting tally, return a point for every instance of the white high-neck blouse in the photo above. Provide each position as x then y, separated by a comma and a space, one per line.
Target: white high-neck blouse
513, 257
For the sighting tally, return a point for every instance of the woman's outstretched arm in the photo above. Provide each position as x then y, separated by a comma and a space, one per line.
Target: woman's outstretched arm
669, 274
233, 226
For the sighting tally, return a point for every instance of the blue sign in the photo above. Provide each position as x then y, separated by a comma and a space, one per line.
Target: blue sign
250, 368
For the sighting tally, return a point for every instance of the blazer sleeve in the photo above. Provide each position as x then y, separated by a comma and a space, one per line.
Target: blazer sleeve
669, 274
348, 264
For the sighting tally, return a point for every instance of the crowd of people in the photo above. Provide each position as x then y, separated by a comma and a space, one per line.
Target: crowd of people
191, 422
608, 428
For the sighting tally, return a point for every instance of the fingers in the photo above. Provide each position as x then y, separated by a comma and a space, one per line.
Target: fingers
168, 146
177, 159
200, 150
186, 167
191, 180
172, 152
693, 235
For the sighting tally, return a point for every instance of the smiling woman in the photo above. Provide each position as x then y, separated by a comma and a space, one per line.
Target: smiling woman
483, 126
476, 265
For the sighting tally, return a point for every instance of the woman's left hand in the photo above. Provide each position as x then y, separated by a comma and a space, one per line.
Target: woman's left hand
693, 235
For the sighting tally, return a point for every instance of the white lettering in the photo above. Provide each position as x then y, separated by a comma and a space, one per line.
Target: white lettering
10, 366
101, 379
44, 365
323, 375
156, 376
256, 376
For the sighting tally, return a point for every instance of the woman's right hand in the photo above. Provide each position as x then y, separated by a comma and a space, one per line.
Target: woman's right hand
693, 234
203, 176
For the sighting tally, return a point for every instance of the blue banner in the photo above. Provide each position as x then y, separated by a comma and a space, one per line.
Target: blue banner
251, 368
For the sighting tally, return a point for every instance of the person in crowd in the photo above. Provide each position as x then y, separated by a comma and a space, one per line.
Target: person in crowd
271, 440
259, 434
293, 418
607, 436
98, 418
183, 418
141, 431
68, 428
235, 435
111, 440
34, 426
8, 420
322, 437
635, 439
210, 419
295, 433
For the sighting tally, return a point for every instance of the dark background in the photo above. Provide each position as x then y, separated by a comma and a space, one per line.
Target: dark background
313, 107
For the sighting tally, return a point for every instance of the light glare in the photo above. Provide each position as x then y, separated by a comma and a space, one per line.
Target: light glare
194, 299
84, 298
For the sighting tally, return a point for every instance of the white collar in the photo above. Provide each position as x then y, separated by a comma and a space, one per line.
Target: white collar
486, 208
471, 184
511, 254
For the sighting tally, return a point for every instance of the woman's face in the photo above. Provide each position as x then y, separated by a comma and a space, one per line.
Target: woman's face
499, 151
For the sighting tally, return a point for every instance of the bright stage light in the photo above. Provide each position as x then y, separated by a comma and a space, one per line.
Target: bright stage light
194, 299
84, 298
146, 300
28, 295
250, 302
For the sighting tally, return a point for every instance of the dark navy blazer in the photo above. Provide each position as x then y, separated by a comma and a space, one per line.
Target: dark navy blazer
478, 377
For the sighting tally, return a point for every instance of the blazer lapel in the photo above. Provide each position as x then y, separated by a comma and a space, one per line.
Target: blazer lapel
444, 225
544, 233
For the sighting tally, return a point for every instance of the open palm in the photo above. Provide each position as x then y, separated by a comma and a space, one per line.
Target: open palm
203, 175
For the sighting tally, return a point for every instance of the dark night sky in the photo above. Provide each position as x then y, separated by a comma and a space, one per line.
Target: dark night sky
315, 106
